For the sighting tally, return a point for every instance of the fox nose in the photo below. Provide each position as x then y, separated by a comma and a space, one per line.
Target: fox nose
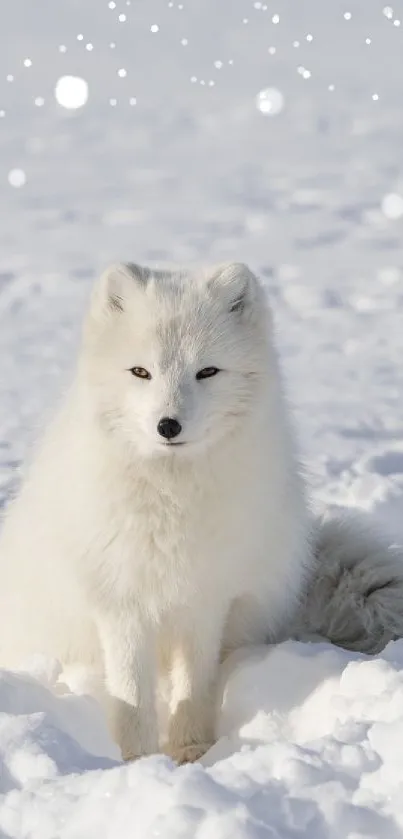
169, 427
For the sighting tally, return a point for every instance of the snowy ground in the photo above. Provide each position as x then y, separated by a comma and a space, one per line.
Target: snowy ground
310, 737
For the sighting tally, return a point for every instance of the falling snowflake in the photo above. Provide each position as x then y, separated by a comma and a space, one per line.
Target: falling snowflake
309, 37
368, 41
270, 101
388, 12
275, 19
154, 28
89, 47
347, 15
122, 18
27, 62
62, 48
71, 92
122, 73
17, 178
392, 206
184, 42
306, 74
39, 101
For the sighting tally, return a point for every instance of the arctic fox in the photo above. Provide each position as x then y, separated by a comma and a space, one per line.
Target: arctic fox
163, 521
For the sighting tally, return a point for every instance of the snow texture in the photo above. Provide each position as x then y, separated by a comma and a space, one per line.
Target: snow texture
174, 161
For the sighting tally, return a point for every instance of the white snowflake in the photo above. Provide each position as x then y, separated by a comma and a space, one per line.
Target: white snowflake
71, 92
392, 206
270, 101
17, 178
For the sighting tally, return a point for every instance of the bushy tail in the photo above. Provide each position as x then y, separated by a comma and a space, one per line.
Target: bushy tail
355, 596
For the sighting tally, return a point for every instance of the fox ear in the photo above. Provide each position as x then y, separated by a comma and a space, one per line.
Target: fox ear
238, 285
117, 284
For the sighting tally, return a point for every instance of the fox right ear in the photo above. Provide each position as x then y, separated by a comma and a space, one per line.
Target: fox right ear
237, 284
116, 285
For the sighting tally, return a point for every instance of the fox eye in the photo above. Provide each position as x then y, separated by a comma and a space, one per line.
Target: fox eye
207, 373
140, 372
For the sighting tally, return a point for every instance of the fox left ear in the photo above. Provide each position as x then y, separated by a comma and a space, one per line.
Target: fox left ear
238, 284
117, 284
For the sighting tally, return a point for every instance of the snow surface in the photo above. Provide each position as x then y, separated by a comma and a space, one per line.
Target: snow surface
175, 160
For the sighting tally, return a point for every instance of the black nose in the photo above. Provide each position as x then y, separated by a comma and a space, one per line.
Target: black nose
169, 428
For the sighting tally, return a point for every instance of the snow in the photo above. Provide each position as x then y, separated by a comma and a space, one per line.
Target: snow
71, 92
309, 746
16, 177
309, 736
270, 101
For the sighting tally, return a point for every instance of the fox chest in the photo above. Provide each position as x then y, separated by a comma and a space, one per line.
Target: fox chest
165, 550
158, 552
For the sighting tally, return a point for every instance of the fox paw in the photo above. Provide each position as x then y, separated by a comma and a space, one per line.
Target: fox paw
128, 757
188, 754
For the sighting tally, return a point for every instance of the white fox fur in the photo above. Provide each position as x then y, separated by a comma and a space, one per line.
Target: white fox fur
133, 556
354, 596
122, 551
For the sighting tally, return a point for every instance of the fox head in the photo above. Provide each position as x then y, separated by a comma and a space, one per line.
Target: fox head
174, 360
